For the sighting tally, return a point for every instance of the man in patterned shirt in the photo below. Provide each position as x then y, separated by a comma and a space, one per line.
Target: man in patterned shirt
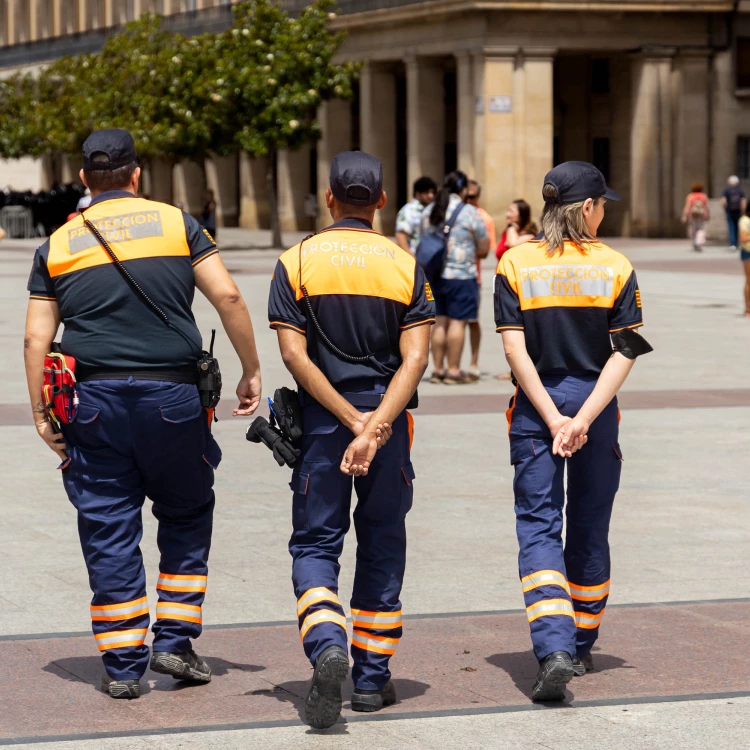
409, 220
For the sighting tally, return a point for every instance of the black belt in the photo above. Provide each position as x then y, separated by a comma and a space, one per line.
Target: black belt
187, 375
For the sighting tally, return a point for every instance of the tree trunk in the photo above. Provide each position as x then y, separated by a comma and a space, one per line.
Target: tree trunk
273, 203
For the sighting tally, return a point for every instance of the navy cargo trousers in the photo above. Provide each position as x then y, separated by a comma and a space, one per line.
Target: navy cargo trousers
321, 513
135, 439
565, 586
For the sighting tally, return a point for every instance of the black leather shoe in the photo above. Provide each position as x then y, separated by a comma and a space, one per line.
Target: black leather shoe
187, 666
368, 701
555, 672
583, 665
128, 689
323, 702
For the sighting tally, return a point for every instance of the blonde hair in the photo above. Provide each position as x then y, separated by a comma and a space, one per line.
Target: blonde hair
564, 222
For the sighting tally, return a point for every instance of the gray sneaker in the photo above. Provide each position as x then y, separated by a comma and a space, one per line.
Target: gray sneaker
555, 672
128, 689
187, 666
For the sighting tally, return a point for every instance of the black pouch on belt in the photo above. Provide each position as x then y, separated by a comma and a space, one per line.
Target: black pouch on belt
209, 377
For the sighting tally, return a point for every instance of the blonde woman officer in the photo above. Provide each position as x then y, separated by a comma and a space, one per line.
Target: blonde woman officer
567, 307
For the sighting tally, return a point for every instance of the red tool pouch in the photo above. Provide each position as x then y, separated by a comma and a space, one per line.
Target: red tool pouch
59, 393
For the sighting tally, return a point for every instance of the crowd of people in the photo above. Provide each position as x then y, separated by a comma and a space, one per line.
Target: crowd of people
471, 235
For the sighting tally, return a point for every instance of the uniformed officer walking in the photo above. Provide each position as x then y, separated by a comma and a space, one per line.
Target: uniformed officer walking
140, 428
567, 306
352, 312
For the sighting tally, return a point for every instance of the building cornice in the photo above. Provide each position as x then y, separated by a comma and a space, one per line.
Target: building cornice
419, 10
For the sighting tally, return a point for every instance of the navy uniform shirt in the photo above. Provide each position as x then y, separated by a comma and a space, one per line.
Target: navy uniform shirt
107, 325
364, 290
566, 304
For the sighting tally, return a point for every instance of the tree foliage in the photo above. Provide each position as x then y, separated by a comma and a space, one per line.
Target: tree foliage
254, 88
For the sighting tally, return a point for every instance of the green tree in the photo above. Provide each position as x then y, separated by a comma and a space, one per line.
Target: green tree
275, 71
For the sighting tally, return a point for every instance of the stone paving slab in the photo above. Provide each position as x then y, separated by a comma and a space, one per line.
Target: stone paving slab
446, 665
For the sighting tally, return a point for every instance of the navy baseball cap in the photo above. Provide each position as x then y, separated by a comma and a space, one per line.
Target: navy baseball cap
107, 150
356, 178
577, 181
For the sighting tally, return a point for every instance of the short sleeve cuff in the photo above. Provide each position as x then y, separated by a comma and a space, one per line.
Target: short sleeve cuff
204, 254
629, 325
274, 324
417, 323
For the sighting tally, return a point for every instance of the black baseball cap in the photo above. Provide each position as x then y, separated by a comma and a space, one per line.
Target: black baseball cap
577, 181
107, 150
356, 178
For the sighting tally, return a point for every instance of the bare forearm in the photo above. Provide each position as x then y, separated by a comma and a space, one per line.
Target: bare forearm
400, 390
236, 321
402, 240
35, 350
528, 378
610, 381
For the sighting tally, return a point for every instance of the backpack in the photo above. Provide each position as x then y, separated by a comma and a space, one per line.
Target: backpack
433, 246
698, 208
734, 196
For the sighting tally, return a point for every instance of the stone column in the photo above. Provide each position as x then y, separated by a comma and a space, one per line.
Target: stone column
494, 128
188, 186
11, 22
109, 13
34, 30
466, 106
535, 126
160, 172
377, 94
651, 144
222, 176
692, 85
57, 26
83, 15
425, 119
335, 118
253, 193
293, 188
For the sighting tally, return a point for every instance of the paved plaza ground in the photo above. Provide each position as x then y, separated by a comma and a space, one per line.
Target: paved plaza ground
674, 670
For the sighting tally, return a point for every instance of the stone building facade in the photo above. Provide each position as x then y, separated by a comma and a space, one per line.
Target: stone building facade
655, 92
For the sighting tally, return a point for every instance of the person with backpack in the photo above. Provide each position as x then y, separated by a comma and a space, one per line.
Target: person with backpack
453, 237
734, 202
696, 215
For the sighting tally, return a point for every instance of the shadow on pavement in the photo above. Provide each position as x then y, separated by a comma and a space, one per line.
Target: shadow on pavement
522, 667
295, 692
90, 670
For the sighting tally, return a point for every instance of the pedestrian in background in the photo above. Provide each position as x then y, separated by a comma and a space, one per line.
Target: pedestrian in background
409, 219
519, 227
475, 329
734, 202
696, 215
744, 227
140, 429
456, 292
208, 215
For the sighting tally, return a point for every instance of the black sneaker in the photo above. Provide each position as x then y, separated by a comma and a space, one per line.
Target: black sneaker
323, 702
187, 666
368, 701
583, 665
128, 689
555, 672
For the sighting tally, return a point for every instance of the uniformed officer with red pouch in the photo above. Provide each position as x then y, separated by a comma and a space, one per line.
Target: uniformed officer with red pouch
352, 312
568, 307
141, 428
